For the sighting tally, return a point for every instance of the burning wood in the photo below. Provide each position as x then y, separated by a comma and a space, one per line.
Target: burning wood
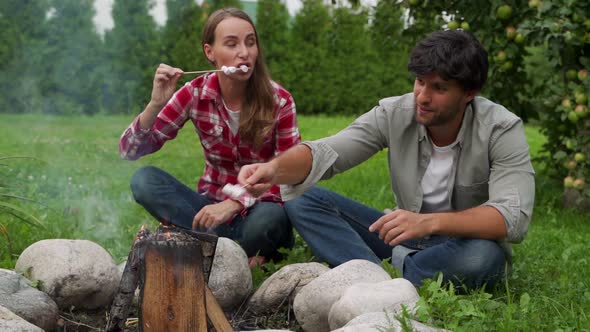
172, 266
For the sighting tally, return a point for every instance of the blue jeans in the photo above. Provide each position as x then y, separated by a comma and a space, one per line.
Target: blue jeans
337, 230
263, 230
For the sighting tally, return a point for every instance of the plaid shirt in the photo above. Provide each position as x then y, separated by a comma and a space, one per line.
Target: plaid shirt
200, 102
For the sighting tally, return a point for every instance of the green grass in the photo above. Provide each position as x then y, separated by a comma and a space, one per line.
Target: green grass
82, 188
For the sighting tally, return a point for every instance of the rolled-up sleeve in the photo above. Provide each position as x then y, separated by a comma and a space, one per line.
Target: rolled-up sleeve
512, 182
338, 153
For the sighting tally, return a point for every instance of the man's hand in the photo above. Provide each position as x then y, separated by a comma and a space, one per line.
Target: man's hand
258, 178
401, 225
215, 214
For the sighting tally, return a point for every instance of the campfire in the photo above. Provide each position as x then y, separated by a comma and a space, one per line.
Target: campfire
171, 267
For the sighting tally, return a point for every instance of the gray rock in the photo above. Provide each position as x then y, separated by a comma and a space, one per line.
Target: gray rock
230, 279
382, 321
312, 304
18, 296
77, 273
363, 298
11, 322
284, 285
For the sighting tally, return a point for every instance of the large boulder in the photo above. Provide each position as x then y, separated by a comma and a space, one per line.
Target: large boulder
9, 321
312, 304
382, 321
361, 298
17, 295
77, 273
230, 279
284, 285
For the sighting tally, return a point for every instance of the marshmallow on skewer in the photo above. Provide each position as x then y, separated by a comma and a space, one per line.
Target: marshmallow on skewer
225, 69
233, 190
231, 69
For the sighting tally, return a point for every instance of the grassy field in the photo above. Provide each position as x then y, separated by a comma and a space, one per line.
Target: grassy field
82, 189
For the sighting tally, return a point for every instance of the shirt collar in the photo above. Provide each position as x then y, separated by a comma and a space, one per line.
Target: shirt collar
211, 89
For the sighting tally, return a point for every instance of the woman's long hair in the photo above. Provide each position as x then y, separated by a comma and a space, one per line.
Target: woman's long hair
257, 112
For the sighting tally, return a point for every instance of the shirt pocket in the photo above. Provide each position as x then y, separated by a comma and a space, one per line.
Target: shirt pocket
210, 134
471, 195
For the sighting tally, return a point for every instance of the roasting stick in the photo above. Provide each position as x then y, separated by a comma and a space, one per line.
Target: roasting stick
225, 69
200, 71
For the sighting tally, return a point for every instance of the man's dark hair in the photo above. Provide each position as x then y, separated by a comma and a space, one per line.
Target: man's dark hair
454, 55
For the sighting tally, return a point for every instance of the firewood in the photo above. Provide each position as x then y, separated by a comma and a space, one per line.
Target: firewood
128, 284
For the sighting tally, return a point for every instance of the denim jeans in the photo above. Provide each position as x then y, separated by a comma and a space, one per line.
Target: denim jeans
337, 230
263, 230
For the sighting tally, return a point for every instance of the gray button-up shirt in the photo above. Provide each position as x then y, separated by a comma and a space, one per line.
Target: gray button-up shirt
491, 167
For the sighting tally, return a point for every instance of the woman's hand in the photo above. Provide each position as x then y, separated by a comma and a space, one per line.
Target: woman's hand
164, 84
215, 214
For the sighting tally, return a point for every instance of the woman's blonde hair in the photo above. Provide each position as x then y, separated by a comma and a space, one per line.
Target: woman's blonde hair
257, 112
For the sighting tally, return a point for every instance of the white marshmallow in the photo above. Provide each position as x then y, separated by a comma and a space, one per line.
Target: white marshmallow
233, 190
232, 69
244, 68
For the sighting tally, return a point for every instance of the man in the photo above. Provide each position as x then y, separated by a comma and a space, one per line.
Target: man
459, 165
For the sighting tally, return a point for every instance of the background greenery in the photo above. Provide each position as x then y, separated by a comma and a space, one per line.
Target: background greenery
338, 59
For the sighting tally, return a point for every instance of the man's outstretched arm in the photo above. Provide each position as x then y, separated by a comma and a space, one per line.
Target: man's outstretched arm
291, 167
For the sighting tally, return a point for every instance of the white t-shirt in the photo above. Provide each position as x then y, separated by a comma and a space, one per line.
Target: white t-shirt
234, 119
436, 179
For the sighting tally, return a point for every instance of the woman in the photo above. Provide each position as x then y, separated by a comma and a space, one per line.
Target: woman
241, 118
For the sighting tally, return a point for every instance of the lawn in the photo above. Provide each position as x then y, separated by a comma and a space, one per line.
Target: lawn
81, 186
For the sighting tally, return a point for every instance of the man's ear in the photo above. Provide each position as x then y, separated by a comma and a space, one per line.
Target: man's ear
469, 95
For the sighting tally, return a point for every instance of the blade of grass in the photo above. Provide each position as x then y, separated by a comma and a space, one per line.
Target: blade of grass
10, 208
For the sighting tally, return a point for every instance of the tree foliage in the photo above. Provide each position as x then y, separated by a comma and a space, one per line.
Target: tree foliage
131, 52
181, 36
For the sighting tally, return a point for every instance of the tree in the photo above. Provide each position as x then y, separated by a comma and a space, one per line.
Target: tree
23, 33
306, 68
392, 50
273, 30
181, 36
212, 5
132, 51
73, 78
352, 64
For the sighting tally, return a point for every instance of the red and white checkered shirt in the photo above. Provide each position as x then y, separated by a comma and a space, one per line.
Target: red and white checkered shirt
200, 102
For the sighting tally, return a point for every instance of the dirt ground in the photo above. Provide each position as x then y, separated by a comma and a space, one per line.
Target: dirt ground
243, 320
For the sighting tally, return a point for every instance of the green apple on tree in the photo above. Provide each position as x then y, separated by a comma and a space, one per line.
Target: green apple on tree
519, 38
453, 25
504, 12
568, 182
579, 157
581, 98
465, 26
579, 183
571, 165
571, 74
510, 32
566, 104
573, 117
581, 111
582, 74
